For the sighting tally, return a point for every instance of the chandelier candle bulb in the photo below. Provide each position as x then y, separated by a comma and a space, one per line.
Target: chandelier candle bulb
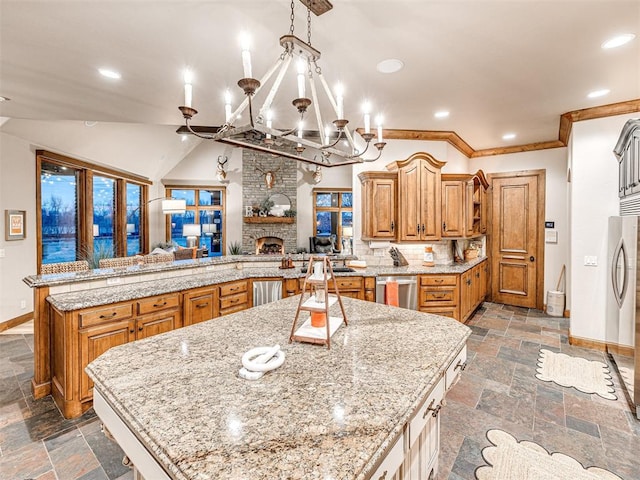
246, 57
301, 85
188, 89
269, 121
367, 118
300, 133
339, 102
379, 122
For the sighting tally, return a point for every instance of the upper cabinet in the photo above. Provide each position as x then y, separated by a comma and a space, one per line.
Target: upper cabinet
378, 205
419, 197
464, 205
628, 152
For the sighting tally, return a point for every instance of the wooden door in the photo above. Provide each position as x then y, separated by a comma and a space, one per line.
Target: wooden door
94, 341
430, 199
517, 238
156, 323
383, 209
410, 210
199, 305
452, 208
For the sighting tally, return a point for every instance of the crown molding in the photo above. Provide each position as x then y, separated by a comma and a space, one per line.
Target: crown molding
564, 131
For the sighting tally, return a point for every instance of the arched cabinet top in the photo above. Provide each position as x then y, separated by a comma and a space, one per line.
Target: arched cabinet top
394, 166
625, 137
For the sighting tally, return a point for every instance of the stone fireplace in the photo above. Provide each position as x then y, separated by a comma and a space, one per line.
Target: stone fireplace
255, 165
269, 246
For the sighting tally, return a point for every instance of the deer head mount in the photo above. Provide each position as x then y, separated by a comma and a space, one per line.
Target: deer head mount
269, 176
221, 175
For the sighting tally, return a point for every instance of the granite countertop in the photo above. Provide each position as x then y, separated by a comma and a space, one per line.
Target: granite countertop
323, 414
76, 300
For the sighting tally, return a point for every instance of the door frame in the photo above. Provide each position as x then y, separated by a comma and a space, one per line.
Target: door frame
542, 181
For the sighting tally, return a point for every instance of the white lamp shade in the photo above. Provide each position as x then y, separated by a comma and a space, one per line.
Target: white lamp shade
191, 230
173, 205
209, 228
347, 231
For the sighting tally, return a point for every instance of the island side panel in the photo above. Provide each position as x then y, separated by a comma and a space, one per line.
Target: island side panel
41, 381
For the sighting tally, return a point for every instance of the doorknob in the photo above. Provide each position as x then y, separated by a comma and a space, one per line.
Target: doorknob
532, 258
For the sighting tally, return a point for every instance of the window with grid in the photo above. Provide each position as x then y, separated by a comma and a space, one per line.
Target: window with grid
204, 215
88, 212
333, 214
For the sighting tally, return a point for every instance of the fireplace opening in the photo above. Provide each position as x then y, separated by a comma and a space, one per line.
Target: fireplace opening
269, 246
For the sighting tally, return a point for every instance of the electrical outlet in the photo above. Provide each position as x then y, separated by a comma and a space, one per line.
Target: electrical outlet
591, 260
23, 304
2, 254
113, 280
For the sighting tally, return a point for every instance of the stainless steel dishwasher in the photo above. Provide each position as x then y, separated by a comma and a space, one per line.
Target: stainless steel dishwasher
407, 290
266, 291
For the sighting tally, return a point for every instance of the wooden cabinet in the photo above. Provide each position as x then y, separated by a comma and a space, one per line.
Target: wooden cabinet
199, 305
353, 287
464, 210
234, 297
419, 197
453, 295
439, 294
378, 205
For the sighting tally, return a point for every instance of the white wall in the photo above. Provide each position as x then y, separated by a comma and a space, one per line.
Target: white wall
17, 192
594, 198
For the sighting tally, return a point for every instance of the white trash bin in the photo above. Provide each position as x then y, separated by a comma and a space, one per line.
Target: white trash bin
555, 303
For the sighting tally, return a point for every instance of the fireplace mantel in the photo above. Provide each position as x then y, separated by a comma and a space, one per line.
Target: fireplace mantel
269, 219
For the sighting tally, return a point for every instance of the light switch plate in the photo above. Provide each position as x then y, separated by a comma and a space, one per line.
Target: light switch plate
551, 236
2, 254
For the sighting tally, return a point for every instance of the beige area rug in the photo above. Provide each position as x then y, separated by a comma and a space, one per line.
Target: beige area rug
509, 459
588, 376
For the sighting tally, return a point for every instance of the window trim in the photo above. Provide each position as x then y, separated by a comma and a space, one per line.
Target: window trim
85, 202
196, 207
338, 209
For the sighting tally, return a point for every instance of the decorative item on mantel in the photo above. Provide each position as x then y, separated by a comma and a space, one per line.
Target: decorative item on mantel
326, 146
398, 258
316, 300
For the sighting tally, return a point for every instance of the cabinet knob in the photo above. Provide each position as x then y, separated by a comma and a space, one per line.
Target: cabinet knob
423, 228
109, 316
131, 331
532, 258
158, 305
393, 226
202, 305
434, 410
444, 226
140, 328
460, 365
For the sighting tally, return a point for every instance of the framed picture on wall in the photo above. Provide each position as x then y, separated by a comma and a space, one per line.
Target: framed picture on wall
15, 227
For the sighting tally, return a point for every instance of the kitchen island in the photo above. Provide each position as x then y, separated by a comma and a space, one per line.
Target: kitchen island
362, 409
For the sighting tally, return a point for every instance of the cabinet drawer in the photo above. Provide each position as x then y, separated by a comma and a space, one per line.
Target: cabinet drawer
233, 288
431, 296
438, 280
351, 283
429, 409
459, 363
240, 299
391, 462
451, 312
106, 314
155, 304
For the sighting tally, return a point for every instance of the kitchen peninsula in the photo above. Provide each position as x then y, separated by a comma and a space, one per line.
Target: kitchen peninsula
366, 408
78, 316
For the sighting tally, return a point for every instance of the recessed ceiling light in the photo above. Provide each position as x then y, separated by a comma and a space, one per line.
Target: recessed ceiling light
184, 138
90, 123
618, 40
105, 72
391, 65
598, 93
441, 114
508, 136
4, 99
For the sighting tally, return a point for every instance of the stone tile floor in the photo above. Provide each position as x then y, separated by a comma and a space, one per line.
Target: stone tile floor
497, 390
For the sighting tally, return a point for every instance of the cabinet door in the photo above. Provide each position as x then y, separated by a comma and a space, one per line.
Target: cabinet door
410, 218
155, 323
382, 209
452, 208
430, 201
484, 210
94, 341
476, 285
466, 294
199, 305
484, 280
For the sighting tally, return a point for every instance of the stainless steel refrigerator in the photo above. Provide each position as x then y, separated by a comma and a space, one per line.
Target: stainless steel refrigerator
623, 304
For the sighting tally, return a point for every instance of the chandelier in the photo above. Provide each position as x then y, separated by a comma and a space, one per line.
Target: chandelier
330, 145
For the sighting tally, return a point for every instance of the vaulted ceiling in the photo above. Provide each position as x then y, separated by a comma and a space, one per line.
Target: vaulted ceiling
497, 66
